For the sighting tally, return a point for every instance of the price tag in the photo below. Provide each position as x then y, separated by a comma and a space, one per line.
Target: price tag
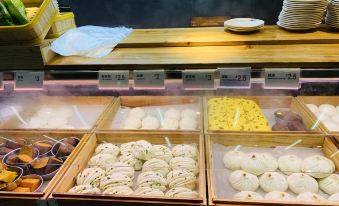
282, 78
1, 80
235, 77
30, 80
117, 79
198, 79
154, 79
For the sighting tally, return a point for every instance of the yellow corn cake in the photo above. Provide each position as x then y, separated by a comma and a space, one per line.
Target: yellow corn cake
235, 114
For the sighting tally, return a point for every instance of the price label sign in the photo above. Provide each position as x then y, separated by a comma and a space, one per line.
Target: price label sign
198, 79
282, 78
1, 80
152, 79
235, 77
30, 80
117, 79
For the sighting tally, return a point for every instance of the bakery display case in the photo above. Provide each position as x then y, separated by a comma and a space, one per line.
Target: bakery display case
164, 113
257, 114
32, 163
151, 169
75, 113
240, 114
324, 110
272, 169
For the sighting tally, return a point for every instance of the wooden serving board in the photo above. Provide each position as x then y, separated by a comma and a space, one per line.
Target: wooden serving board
33, 198
80, 161
144, 101
318, 100
264, 140
33, 105
269, 102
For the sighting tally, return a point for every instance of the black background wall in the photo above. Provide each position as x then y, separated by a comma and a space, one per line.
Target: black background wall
166, 13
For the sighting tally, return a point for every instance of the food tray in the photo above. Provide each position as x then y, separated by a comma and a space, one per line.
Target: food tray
217, 144
62, 23
318, 100
91, 109
79, 162
31, 198
36, 30
268, 105
114, 117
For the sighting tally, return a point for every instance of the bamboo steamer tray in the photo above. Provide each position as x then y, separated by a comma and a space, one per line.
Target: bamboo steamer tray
269, 102
318, 100
62, 23
35, 198
144, 101
327, 144
80, 161
36, 30
35, 104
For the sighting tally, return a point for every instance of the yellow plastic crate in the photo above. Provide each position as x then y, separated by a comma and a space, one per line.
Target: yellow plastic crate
36, 30
62, 23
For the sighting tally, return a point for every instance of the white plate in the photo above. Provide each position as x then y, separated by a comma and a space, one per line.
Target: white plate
300, 22
300, 18
297, 26
244, 30
240, 28
244, 23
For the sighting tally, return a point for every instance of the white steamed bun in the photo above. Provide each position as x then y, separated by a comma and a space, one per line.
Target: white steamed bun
243, 181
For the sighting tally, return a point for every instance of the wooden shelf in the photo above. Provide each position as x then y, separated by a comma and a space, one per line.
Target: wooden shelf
296, 55
217, 36
192, 48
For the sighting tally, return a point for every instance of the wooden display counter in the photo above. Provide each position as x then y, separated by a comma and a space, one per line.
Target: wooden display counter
217, 36
192, 48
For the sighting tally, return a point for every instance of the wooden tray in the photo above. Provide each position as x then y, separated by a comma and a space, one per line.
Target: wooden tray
269, 102
35, 104
318, 100
33, 198
80, 162
264, 140
34, 31
62, 23
142, 101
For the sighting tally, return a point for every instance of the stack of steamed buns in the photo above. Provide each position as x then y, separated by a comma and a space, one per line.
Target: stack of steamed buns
142, 169
327, 114
174, 119
302, 177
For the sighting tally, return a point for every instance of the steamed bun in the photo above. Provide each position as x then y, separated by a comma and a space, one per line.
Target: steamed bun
259, 163
300, 182
150, 122
241, 180
318, 166
273, 181
232, 159
137, 113
172, 114
289, 164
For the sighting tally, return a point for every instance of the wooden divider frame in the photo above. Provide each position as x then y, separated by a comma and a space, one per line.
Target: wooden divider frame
269, 102
327, 144
318, 100
142, 101
35, 104
80, 161
31, 198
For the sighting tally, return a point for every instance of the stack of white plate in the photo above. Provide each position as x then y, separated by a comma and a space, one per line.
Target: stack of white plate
244, 24
332, 17
302, 14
